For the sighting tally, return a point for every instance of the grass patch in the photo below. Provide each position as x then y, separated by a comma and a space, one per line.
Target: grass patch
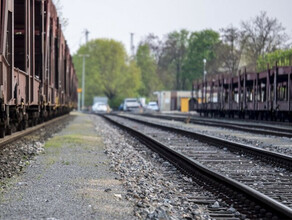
59, 141
66, 162
39, 176
55, 142
6, 184
77, 127
51, 160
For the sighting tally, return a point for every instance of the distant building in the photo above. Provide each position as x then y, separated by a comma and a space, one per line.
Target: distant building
142, 101
171, 100
100, 99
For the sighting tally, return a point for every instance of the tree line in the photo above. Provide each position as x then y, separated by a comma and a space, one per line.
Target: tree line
172, 63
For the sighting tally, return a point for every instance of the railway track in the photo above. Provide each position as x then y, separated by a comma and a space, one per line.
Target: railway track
190, 193
272, 143
16, 136
272, 157
254, 185
252, 127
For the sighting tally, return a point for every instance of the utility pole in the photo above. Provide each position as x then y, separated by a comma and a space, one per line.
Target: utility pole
204, 74
79, 101
83, 79
132, 45
86, 35
86, 32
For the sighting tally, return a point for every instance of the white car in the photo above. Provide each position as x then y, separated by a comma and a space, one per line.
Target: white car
99, 107
152, 106
131, 104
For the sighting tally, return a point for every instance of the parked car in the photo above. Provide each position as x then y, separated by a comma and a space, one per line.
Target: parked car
100, 108
152, 106
131, 104
121, 107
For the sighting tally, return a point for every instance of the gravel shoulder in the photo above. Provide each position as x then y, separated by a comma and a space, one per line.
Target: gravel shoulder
70, 180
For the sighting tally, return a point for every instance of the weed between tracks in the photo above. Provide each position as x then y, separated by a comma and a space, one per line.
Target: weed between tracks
68, 140
59, 148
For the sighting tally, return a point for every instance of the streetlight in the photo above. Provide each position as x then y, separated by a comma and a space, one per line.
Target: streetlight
204, 74
83, 78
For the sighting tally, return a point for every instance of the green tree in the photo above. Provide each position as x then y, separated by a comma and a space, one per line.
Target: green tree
108, 71
201, 45
281, 57
173, 56
157, 51
146, 62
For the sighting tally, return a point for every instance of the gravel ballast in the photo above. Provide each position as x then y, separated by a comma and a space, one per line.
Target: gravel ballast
268, 142
69, 180
16, 155
154, 185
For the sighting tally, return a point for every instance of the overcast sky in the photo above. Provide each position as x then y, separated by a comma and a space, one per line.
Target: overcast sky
116, 19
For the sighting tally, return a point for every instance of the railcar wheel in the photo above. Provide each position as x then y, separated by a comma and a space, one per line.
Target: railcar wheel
24, 124
19, 127
30, 123
2, 132
282, 117
239, 114
8, 131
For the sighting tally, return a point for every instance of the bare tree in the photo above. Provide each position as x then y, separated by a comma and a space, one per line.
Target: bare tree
169, 55
155, 45
261, 35
63, 21
230, 49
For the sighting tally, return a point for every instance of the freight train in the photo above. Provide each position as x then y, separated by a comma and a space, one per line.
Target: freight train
255, 95
37, 76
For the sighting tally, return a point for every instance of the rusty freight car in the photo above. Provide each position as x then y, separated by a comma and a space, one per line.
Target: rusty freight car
37, 76
263, 95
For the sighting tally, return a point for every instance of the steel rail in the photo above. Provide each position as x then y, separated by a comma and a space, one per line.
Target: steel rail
261, 154
218, 181
258, 129
17, 135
